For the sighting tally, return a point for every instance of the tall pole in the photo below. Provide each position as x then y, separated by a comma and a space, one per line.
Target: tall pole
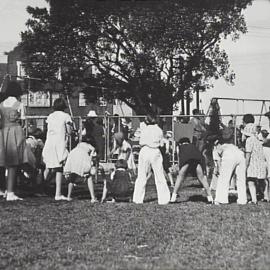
188, 103
198, 99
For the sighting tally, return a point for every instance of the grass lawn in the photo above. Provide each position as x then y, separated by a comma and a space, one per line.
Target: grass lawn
40, 233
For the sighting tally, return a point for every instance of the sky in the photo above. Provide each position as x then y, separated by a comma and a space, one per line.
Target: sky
250, 59
249, 56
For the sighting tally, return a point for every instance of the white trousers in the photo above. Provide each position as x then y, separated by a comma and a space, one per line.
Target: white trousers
151, 158
228, 165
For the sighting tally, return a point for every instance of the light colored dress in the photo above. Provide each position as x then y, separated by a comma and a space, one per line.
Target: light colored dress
79, 160
55, 149
13, 145
257, 164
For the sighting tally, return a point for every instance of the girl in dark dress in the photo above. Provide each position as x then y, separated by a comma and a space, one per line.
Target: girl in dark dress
119, 186
190, 159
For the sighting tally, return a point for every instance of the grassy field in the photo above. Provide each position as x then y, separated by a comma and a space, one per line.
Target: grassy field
40, 233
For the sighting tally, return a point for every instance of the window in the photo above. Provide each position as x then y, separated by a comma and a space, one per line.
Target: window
82, 100
20, 70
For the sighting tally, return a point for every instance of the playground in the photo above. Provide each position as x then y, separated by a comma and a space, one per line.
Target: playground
44, 234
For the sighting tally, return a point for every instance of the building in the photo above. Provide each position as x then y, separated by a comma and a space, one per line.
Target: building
39, 102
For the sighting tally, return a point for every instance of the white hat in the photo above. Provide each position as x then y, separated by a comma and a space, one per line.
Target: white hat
92, 113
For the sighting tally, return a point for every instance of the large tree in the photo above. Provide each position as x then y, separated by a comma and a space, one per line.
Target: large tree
145, 53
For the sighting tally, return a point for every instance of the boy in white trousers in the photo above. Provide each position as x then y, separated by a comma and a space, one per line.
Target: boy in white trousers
232, 160
150, 157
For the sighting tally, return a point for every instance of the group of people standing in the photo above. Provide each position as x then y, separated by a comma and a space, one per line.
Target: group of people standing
248, 163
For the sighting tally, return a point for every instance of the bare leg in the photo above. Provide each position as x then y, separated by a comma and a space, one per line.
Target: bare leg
203, 180
104, 192
11, 180
252, 189
91, 189
179, 180
3, 186
58, 181
70, 188
266, 189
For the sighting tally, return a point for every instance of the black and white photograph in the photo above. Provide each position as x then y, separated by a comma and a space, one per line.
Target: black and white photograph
135, 134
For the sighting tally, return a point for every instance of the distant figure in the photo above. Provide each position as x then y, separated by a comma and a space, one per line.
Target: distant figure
199, 129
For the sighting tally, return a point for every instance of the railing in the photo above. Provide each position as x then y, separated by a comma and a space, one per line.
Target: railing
131, 124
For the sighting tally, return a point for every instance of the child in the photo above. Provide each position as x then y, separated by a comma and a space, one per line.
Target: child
165, 152
79, 165
13, 152
190, 159
255, 160
119, 185
266, 150
231, 160
55, 149
123, 150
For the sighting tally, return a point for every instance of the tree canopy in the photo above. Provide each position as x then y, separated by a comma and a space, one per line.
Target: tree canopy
145, 53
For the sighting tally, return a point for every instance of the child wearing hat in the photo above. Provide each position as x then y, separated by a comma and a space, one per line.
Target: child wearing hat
119, 186
255, 160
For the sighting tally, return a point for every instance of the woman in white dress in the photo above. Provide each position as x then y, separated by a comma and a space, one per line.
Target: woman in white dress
55, 149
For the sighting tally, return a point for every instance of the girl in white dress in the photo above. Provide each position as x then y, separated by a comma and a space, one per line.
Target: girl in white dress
55, 149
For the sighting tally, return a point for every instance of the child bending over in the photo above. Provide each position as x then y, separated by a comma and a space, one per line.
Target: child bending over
79, 166
190, 159
119, 186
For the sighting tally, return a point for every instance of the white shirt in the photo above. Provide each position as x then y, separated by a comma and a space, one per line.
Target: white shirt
151, 136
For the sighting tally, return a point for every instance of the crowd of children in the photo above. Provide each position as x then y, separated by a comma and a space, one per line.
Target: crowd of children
40, 159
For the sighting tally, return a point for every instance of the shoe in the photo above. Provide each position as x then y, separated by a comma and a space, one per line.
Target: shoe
264, 200
251, 202
210, 200
173, 198
2, 193
69, 199
94, 201
61, 198
12, 197
219, 203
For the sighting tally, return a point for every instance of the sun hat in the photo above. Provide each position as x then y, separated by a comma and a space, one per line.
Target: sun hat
92, 113
249, 130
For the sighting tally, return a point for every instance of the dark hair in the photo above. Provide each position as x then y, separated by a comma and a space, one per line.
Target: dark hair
99, 121
121, 163
183, 140
89, 140
195, 111
248, 118
38, 134
13, 89
151, 119
59, 105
